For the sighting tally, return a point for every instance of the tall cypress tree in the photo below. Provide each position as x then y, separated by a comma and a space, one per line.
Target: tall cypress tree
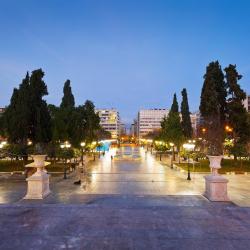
171, 125
27, 116
40, 123
174, 106
23, 110
17, 116
64, 115
237, 114
68, 100
213, 106
185, 114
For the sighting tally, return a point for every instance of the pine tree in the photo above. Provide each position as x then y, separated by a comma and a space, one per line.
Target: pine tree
213, 106
237, 114
185, 114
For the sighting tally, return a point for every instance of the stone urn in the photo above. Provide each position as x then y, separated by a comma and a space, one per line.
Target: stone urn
216, 185
215, 163
39, 160
38, 183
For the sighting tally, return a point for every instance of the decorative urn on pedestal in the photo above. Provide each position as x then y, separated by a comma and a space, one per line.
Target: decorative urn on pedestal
216, 185
38, 183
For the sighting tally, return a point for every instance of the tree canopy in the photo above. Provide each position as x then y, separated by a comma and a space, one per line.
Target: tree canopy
27, 116
237, 116
213, 106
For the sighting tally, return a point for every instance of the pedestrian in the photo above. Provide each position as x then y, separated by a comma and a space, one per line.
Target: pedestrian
80, 171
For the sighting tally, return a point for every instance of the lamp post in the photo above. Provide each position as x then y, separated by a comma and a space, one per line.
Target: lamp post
65, 145
228, 129
189, 147
203, 130
99, 149
172, 158
3, 143
230, 134
94, 144
82, 146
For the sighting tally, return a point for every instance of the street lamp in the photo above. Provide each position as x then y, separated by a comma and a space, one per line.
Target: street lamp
3, 143
189, 147
172, 158
29, 142
203, 130
82, 146
228, 129
65, 145
93, 144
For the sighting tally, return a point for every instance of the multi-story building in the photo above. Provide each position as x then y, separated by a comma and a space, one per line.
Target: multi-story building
246, 103
133, 128
122, 129
110, 121
195, 121
149, 120
2, 111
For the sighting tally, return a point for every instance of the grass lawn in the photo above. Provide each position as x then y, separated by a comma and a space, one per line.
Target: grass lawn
228, 165
12, 166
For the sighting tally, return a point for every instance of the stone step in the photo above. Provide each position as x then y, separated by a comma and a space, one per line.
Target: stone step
129, 201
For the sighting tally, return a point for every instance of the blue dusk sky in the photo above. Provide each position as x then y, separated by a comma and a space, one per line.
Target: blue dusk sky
122, 54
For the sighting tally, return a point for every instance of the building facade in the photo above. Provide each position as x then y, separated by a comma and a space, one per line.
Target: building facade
133, 128
122, 129
195, 121
149, 120
2, 111
110, 121
246, 103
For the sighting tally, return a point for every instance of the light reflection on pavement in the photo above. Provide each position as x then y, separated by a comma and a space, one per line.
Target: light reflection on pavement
147, 176
141, 176
135, 172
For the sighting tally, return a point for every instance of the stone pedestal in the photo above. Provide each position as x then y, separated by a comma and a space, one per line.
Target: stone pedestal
38, 183
216, 185
216, 188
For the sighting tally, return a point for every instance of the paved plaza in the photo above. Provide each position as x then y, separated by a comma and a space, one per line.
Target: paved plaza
141, 176
125, 203
125, 222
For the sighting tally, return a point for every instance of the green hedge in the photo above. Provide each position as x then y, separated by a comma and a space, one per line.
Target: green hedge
12, 166
228, 165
